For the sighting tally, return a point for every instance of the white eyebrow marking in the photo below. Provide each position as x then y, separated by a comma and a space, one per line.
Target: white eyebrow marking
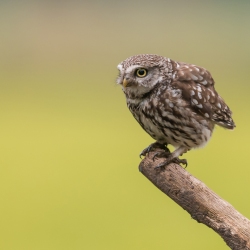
132, 67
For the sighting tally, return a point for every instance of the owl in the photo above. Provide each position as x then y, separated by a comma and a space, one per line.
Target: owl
174, 102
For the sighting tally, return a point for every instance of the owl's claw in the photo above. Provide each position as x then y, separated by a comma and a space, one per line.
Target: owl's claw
153, 146
145, 151
180, 161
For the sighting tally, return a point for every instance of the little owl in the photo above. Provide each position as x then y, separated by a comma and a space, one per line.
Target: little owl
174, 102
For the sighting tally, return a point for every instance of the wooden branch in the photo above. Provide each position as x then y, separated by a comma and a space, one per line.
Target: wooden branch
199, 201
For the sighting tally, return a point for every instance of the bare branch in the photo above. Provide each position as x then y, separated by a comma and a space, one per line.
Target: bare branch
199, 201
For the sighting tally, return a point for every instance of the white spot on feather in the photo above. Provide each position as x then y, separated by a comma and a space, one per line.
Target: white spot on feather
171, 105
219, 105
195, 101
194, 77
199, 88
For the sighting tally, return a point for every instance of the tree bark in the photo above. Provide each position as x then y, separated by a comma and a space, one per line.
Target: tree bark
199, 201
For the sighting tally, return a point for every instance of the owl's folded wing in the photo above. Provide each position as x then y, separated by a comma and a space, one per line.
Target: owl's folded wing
197, 87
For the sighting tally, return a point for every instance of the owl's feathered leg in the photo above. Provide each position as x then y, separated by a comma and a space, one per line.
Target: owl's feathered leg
154, 146
172, 157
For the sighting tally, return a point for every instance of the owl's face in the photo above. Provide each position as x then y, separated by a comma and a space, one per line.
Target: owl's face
140, 74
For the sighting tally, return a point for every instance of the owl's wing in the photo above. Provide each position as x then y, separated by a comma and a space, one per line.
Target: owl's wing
197, 87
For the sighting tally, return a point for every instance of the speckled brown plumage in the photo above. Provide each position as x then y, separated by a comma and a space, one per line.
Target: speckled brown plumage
174, 102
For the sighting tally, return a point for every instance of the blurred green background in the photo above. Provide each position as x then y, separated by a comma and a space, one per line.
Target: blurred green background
69, 146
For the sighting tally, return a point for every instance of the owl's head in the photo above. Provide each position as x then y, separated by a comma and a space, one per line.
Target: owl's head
139, 74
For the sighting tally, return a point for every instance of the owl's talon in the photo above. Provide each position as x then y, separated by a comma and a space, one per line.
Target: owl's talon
155, 155
180, 161
145, 151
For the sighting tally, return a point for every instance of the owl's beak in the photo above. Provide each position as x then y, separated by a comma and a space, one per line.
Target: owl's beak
125, 83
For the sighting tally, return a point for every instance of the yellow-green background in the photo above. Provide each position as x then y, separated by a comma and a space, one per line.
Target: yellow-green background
69, 147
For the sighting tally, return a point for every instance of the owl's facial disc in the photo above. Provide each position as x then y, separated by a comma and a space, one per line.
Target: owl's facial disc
136, 80
140, 72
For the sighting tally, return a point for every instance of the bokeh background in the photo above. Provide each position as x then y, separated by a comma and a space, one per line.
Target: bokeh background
69, 147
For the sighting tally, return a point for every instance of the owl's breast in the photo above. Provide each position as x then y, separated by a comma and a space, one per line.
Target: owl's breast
149, 120
171, 122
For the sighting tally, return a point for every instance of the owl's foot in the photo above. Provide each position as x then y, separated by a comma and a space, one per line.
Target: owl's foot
153, 147
162, 154
169, 160
173, 157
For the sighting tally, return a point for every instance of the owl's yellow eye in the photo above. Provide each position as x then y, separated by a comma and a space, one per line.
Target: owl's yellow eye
141, 72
